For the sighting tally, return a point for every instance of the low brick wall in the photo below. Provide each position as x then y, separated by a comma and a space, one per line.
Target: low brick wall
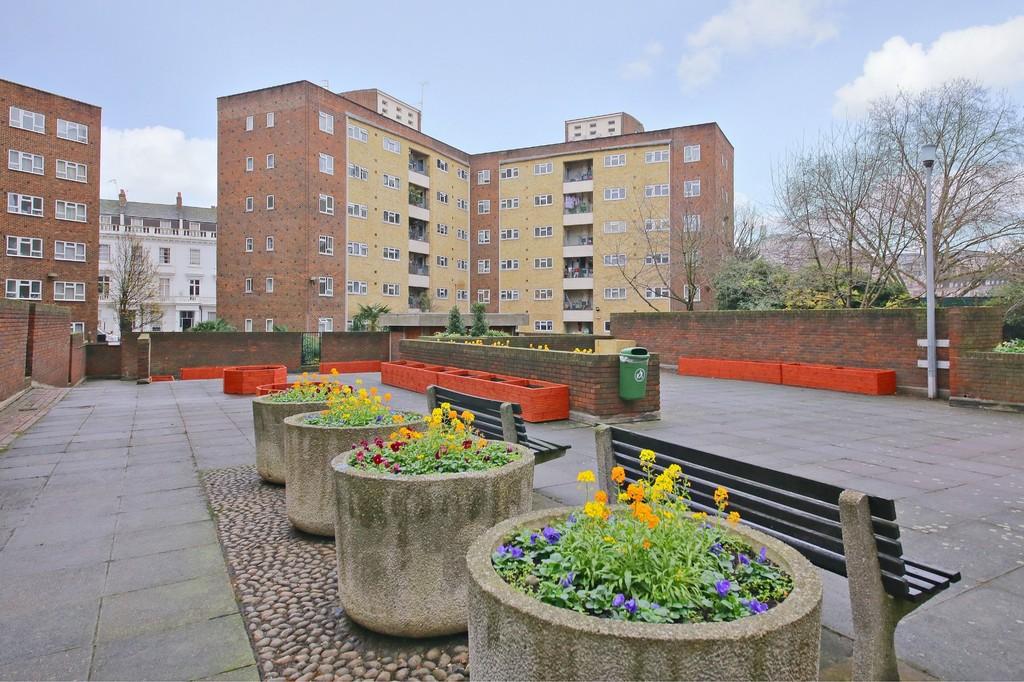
102, 361
341, 346
36, 344
875, 338
987, 376
593, 380
13, 336
76, 361
50, 329
170, 351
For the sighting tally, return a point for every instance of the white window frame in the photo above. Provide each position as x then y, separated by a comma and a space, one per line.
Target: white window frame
270, 243
483, 177
357, 210
250, 204
442, 293
271, 119
195, 257
656, 156
656, 224
16, 203
508, 233
61, 289
250, 164
35, 289
268, 285
271, 203
508, 172
392, 181
250, 123
546, 168
391, 253
391, 217
691, 222
483, 236
161, 250
391, 289
543, 263
691, 153
326, 204
659, 258
508, 294
658, 190
543, 294
508, 264
250, 244
614, 260
357, 133
483, 266
356, 287
326, 164
442, 229
358, 172
508, 203
614, 193
247, 326
462, 234
359, 249
656, 293
691, 188
325, 245
441, 261
543, 325
16, 162
61, 249
442, 197
325, 122
325, 324
72, 170
271, 161
325, 286
393, 146
268, 324
615, 293
104, 253
79, 212
544, 231
614, 160
32, 121
483, 206
543, 200
15, 244
696, 293
461, 264
462, 294
70, 130
442, 165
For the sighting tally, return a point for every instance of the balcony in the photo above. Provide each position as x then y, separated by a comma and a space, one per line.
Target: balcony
578, 243
419, 169
578, 250
578, 177
418, 243
578, 209
582, 315
578, 273
418, 205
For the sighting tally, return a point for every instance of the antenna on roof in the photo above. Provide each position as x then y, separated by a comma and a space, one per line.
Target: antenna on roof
325, 84
423, 88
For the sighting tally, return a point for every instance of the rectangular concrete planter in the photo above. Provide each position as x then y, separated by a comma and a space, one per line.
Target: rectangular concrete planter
268, 427
190, 373
541, 400
351, 366
514, 636
412, 376
741, 370
401, 541
846, 379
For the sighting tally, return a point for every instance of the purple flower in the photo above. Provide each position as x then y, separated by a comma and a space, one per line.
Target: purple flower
502, 550
516, 552
743, 559
654, 606
533, 538
723, 587
631, 606
572, 518
567, 580
754, 605
716, 548
618, 600
763, 555
551, 535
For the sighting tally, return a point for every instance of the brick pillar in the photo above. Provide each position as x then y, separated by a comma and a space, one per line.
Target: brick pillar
143, 359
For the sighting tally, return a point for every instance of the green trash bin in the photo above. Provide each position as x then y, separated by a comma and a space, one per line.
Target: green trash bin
633, 372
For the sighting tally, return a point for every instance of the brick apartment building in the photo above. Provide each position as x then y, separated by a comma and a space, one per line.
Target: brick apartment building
339, 199
52, 186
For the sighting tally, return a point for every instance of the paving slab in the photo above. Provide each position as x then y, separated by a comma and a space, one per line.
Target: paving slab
70, 664
173, 566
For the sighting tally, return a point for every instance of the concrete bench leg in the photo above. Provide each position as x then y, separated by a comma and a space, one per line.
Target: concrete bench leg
508, 423
431, 398
875, 613
605, 460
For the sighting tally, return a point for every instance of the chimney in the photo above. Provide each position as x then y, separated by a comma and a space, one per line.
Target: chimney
122, 198
179, 200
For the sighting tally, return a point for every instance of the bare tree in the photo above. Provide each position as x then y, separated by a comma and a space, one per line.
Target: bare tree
134, 286
750, 231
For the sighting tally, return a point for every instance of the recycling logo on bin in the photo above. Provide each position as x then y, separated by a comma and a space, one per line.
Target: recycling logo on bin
640, 374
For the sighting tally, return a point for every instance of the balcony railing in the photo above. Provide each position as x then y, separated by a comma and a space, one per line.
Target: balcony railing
418, 199
578, 241
418, 235
415, 269
578, 273
159, 231
579, 207
579, 175
578, 305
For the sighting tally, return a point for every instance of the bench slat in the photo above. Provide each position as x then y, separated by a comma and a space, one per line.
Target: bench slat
951, 576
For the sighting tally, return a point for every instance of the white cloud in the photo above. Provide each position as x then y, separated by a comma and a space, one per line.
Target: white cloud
993, 55
750, 25
643, 67
155, 163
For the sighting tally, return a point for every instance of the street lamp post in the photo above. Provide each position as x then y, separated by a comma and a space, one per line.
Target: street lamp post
928, 159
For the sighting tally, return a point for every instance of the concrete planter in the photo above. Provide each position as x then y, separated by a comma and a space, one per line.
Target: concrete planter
402, 541
308, 451
513, 636
268, 425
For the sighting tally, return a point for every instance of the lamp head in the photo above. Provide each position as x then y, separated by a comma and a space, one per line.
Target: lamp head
928, 155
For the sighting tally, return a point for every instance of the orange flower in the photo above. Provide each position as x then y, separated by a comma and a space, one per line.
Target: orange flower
601, 496
618, 475
647, 543
635, 491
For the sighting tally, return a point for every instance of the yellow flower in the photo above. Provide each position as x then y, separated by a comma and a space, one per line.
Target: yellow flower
647, 455
334, 371
594, 510
481, 443
446, 406
397, 418
700, 516
721, 497
436, 412
609, 538
460, 427
468, 416
674, 471
387, 396
623, 497
359, 382
734, 518
586, 476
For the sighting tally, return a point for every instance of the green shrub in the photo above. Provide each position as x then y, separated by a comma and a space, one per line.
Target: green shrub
1015, 346
217, 325
456, 327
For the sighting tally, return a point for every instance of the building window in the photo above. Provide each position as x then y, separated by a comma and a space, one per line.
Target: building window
442, 261
543, 294
392, 182
326, 245
326, 286
248, 325
543, 231
249, 204
508, 173
462, 234
615, 293
69, 170
543, 168
543, 200
135, 222
614, 259
165, 287
69, 130
104, 253
483, 266
614, 193
357, 133
358, 210
270, 119
103, 286
248, 285
164, 255
193, 287
270, 202
511, 202
270, 243
442, 292
442, 197
614, 160
656, 156
393, 146
325, 324
483, 206
248, 123
27, 120
461, 264
543, 325
24, 204
269, 324
248, 164
660, 190
24, 247
327, 164
326, 123
691, 223
391, 217
691, 188
358, 172
269, 285
462, 295
391, 253
615, 226
607, 326
69, 251
655, 224
193, 256
696, 293
248, 244
543, 263
25, 162
508, 295
442, 229
69, 291
356, 287
508, 233
106, 220
463, 175
442, 165
358, 249
656, 292
165, 224
509, 264
67, 210
656, 259
483, 237
391, 289
327, 204
483, 177
271, 161
28, 289
483, 295
691, 153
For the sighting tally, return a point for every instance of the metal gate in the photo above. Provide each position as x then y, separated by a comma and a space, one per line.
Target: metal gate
311, 349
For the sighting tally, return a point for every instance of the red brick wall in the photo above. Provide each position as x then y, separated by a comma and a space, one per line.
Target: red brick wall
991, 376
76, 362
102, 361
341, 346
13, 335
129, 355
50, 328
883, 339
593, 380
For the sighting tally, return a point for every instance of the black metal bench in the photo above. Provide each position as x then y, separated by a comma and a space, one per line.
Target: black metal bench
842, 531
496, 420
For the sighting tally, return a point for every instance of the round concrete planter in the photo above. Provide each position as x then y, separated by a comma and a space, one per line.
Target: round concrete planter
402, 541
308, 451
513, 636
268, 425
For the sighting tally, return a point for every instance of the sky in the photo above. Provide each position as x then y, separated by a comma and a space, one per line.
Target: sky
771, 73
